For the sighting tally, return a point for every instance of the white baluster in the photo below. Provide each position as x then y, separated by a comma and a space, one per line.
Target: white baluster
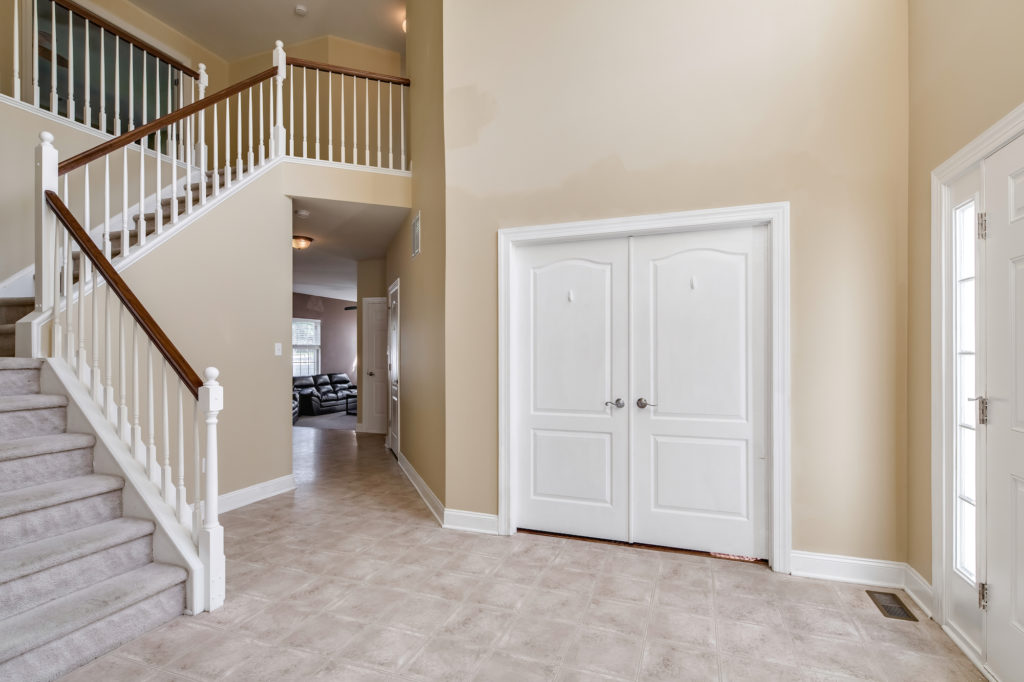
117, 85
251, 158
204, 80
378, 124
263, 153
291, 112
145, 89
131, 86
35, 53
238, 140
158, 214
402, 106
53, 58
165, 474
343, 157
216, 145
83, 358
106, 207
138, 446
271, 146
316, 134
58, 262
280, 62
125, 430
142, 193
366, 120
96, 376
103, 80
71, 65
188, 166
305, 119
125, 236
17, 72
69, 330
152, 466
330, 116
197, 469
227, 146
173, 144
108, 384
211, 539
46, 237
182, 498
87, 108
391, 128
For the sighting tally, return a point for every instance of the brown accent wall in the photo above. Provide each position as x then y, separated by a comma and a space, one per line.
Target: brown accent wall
337, 330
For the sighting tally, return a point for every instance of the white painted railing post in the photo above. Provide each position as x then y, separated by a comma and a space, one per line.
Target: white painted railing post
279, 133
211, 536
200, 141
46, 222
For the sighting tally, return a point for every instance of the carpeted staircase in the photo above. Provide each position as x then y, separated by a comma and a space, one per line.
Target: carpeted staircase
77, 579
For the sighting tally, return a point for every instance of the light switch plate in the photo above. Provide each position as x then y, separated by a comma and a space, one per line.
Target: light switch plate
277, 349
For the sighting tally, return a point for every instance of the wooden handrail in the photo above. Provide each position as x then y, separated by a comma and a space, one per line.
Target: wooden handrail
127, 37
101, 150
120, 288
319, 66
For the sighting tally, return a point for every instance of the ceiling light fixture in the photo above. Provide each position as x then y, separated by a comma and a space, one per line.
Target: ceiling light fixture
299, 242
301, 10
404, 30
302, 213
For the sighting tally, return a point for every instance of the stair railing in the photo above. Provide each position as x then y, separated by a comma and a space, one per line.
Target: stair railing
141, 383
86, 69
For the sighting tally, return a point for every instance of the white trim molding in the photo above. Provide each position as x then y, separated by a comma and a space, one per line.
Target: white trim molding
871, 572
776, 217
433, 504
254, 493
474, 522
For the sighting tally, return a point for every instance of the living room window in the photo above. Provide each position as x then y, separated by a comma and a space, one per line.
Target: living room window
305, 347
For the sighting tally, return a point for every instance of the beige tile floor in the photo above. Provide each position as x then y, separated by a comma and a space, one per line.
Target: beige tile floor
350, 578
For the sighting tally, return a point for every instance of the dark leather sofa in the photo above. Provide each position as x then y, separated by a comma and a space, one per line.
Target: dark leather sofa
295, 406
324, 393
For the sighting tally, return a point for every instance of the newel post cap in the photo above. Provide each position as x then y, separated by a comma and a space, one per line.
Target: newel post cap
211, 374
46, 138
211, 393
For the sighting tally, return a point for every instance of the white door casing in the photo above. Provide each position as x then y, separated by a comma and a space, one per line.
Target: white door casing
573, 336
775, 219
373, 384
394, 365
1004, 388
699, 358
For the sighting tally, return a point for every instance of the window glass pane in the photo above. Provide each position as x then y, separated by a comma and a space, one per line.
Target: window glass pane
305, 361
305, 332
966, 550
965, 390
965, 223
965, 315
966, 463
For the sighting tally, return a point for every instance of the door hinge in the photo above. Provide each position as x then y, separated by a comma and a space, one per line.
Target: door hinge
982, 596
982, 225
983, 410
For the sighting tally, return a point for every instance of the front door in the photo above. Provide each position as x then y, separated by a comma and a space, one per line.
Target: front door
1004, 371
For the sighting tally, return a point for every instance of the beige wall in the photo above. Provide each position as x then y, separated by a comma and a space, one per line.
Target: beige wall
231, 317
422, 278
617, 110
337, 330
966, 72
327, 49
370, 283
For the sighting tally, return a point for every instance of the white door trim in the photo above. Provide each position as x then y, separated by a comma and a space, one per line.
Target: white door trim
992, 140
776, 217
395, 287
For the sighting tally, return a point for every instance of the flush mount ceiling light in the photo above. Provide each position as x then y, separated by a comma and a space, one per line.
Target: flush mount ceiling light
302, 213
301, 10
300, 242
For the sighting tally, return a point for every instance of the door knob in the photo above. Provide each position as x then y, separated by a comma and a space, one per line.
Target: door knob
370, 373
641, 403
619, 402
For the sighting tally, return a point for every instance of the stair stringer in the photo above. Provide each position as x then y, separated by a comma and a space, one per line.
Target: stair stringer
172, 543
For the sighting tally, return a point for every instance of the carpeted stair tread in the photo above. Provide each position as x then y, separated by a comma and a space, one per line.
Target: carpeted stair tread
24, 560
64, 615
42, 445
52, 494
20, 363
36, 401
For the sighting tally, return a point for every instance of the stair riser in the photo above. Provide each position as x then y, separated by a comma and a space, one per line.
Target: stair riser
67, 653
62, 518
19, 381
12, 313
45, 468
32, 590
27, 423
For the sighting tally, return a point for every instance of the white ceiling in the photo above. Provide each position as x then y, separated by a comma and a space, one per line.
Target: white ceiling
236, 29
343, 232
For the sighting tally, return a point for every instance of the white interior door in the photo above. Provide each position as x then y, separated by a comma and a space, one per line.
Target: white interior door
571, 358
700, 361
373, 385
394, 338
1004, 372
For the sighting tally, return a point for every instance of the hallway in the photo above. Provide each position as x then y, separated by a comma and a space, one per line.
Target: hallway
350, 578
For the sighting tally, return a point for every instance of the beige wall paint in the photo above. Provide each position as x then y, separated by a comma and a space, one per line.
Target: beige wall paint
668, 105
966, 72
422, 278
370, 283
231, 317
327, 49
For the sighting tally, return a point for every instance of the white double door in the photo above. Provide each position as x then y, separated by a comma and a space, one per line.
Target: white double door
640, 389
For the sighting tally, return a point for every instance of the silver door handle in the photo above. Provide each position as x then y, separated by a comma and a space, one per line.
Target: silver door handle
619, 402
641, 403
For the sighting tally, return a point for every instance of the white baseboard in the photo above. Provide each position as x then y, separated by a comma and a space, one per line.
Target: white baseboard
361, 428
875, 572
254, 493
475, 522
433, 504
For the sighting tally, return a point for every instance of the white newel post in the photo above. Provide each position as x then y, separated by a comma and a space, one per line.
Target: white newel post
46, 221
200, 151
280, 61
211, 537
